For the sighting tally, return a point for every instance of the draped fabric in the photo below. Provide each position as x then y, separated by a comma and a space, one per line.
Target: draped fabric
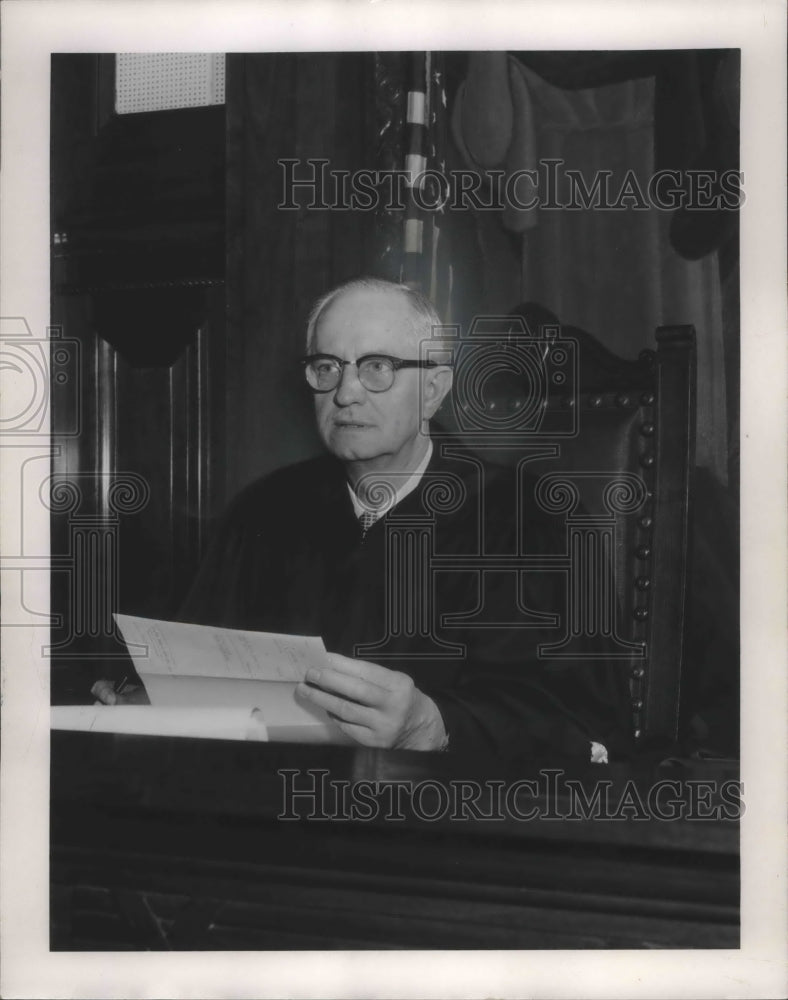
615, 272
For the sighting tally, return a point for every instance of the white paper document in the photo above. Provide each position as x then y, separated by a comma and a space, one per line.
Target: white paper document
211, 682
149, 720
176, 649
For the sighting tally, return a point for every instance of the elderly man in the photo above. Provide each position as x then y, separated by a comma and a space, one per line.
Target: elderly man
373, 408
382, 547
359, 546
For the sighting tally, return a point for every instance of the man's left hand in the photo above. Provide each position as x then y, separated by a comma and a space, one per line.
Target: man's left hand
375, 706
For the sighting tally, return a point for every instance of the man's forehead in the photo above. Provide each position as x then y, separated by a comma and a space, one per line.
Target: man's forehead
372, 311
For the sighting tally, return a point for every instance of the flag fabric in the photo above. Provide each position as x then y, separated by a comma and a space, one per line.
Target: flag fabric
426, 247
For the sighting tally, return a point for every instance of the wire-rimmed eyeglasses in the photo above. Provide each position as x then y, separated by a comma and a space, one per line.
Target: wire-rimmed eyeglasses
376, 372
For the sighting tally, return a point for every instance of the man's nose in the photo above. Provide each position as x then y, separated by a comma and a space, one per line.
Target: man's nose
349, 390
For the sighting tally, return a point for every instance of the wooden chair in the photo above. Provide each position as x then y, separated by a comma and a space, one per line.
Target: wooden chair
611, 445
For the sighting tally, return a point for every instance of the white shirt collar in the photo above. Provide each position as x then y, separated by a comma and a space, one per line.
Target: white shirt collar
408, 486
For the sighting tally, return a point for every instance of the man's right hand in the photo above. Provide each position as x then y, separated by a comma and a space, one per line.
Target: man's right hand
133, 694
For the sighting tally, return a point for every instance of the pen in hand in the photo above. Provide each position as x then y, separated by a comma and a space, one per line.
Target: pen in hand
108, 693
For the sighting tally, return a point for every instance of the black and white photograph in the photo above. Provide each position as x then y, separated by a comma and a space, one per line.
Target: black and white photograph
391, 559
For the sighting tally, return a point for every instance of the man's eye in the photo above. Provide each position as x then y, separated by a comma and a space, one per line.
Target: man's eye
376, 365
324, 367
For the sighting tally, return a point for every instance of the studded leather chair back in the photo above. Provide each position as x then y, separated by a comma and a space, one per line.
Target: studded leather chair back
609, 445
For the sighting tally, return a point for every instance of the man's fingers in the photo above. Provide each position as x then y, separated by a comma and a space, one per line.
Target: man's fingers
371, 672
346, 711
104, 692
133, 694
352, 686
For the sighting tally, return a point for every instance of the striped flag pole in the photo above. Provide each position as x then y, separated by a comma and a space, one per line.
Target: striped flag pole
426, 260
440, 263
415, 165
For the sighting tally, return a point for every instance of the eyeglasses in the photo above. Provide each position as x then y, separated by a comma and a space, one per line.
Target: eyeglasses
376, 372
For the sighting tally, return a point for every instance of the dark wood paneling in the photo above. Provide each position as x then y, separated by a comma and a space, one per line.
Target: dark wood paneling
162, 843
138, 206
138, 197
138, 213
280, 106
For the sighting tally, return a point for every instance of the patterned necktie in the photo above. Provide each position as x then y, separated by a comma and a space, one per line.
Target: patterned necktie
367, 519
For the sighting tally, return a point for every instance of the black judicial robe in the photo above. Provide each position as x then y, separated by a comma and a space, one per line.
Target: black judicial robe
289, 556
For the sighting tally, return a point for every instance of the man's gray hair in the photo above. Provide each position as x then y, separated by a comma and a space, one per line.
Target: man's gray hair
426, 325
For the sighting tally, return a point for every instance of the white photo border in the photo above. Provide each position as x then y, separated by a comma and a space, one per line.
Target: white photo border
31, 31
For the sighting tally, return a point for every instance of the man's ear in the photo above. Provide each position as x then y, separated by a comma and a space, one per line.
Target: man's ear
436, 387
